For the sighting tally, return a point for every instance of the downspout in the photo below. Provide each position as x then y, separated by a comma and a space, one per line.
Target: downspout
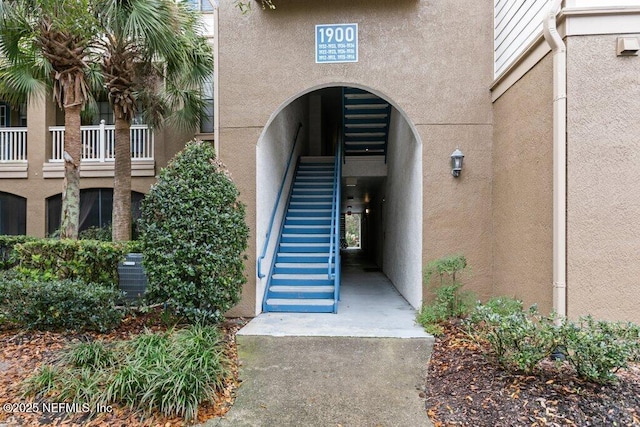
216, 78
559, 50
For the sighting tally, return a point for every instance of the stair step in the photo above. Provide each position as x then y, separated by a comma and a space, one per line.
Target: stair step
302, 271
304, 246
302, 292
295, 306
308, 213
302, 257
305, 211
307, 229
306, 239
315, 172
312, 184
323, 204
300, 280
302, 265
307, 235
312, 197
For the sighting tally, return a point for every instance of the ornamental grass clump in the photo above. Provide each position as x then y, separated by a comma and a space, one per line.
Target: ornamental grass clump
172, 372
194, 235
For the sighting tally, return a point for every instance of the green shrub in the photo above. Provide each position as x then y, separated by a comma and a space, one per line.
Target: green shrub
102, 234
597, 349
194, 235
450, 301
59, 304
89, 260
7, 252
171, 372
518, 339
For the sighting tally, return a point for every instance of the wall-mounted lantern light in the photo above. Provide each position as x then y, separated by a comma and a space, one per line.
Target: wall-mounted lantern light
456, 162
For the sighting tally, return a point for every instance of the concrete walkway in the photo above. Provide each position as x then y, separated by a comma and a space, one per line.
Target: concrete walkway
364, 366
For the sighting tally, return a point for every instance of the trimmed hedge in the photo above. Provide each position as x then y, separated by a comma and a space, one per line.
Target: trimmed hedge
91, 261
58, 304
194, 235
7, 250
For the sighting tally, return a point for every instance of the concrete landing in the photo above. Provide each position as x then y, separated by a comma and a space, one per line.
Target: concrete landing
364, 366
330, 381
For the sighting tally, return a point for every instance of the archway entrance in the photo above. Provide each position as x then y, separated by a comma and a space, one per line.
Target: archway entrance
380, 183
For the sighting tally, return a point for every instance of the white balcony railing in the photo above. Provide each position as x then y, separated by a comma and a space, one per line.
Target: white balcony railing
13, 144
98, 143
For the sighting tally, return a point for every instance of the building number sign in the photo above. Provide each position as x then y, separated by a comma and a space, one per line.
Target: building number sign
336, 43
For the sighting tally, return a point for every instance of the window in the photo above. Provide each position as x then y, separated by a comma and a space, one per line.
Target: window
23, 115
105, 112
201, 5
13, 214
206, 121
4, 115
96, 207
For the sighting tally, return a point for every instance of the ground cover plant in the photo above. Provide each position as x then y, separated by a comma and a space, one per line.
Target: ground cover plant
171, 372
106, 367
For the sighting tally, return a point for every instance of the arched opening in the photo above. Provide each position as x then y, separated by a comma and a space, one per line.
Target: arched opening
13, 214
96, 208
381, 179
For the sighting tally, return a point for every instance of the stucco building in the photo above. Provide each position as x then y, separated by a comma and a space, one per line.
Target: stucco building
545, 206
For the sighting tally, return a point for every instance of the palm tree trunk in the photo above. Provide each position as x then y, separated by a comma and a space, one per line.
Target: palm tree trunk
72, 156
121, 221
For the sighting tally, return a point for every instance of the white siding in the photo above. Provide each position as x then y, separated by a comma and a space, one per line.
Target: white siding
601, 3
516, 23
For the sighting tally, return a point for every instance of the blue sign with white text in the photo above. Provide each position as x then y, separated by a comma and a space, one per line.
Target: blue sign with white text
336, 43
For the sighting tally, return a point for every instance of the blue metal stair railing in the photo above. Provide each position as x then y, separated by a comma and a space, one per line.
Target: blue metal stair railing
261, 275
334, 244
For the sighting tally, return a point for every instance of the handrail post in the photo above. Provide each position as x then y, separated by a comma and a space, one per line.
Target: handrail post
334, 243
102, 140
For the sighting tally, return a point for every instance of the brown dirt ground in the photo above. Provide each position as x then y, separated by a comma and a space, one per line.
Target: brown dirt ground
22, 352
464, 388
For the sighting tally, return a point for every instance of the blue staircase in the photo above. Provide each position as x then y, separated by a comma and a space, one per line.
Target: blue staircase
301, 279
365, 123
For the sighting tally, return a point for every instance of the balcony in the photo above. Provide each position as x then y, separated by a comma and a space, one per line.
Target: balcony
13, 153
98, 151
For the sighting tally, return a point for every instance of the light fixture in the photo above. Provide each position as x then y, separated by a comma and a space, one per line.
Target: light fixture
456, 162
352, 181
366, 211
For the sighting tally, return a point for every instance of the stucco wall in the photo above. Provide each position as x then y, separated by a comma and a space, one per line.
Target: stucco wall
403, 211
431, 59
457, 211
272, 154
522, 189
603, 180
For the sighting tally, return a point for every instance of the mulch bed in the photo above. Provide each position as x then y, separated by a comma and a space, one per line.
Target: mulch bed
464, 388
22, 352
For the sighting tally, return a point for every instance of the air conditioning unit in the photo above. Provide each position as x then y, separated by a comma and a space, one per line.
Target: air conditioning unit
132, 278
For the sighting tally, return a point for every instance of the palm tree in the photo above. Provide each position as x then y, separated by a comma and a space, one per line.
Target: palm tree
45, 48
154, 62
